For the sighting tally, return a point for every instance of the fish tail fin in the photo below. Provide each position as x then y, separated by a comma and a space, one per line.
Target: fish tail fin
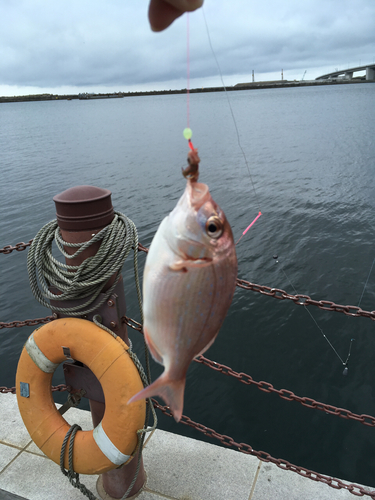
172, 392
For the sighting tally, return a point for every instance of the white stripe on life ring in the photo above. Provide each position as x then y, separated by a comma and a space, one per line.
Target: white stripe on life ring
38, 357
107, 447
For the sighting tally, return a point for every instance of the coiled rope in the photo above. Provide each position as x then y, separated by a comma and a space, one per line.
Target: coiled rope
87, 280
78, 282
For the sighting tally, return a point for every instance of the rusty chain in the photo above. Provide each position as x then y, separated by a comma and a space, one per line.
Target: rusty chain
277, 293
266, 457
132, 324
18, 246
287, 395
141, 248
27, 322
54, 388
305, 300
242, 377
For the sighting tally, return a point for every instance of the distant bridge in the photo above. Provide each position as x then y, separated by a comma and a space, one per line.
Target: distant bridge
347, 74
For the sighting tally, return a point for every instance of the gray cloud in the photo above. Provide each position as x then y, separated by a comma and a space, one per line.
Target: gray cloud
106, 43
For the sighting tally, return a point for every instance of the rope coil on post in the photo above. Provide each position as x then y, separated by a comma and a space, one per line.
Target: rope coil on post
77, 282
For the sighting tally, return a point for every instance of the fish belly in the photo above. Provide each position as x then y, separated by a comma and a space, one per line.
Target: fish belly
184, 309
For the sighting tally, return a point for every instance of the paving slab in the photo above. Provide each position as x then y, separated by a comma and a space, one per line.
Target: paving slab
152, 495
32, 448
280, 484
7, 454
12, 430
38, 478
184, 468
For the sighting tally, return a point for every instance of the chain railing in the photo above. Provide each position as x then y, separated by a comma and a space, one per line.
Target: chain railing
306, 300
54, 388
242, 377
298, 299
26, 322
246, 379
18, 246
277, 293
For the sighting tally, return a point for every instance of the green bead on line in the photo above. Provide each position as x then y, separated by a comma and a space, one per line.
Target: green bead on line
187, 133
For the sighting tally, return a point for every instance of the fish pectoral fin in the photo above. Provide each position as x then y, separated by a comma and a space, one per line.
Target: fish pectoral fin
179, 265
183, 265
172, 392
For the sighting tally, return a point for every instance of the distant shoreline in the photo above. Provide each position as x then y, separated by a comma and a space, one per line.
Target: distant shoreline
239, 86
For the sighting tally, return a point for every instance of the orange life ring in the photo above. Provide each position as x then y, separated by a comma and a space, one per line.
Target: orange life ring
114, 440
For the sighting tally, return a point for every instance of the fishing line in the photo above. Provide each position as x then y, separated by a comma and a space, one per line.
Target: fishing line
359, 303
231, 110
368, 277
188, 69
344, 363
187, 133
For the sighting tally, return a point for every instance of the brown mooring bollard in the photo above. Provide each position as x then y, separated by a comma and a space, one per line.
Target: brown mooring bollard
82, 212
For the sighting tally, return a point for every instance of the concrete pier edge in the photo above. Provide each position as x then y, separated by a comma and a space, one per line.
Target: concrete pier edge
178, 468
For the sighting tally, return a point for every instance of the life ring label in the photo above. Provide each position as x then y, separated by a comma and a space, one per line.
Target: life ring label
24, 390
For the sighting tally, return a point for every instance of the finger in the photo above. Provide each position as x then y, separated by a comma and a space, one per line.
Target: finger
186, 5
162, 13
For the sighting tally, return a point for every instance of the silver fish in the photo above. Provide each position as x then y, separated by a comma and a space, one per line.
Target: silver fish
188, 285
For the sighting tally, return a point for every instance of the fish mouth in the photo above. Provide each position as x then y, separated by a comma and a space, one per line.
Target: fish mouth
198, 193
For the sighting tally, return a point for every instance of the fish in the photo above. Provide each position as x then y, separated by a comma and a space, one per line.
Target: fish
188, 285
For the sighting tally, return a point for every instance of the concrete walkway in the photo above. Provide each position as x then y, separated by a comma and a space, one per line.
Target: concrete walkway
178, 468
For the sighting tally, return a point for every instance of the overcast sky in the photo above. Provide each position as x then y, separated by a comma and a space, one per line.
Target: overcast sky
106, 45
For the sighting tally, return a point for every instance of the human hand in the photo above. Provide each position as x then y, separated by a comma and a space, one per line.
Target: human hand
162, 13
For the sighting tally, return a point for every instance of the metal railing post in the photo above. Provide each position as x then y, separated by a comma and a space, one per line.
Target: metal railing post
82, 212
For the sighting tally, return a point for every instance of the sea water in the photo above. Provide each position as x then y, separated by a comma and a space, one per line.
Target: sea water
311, 156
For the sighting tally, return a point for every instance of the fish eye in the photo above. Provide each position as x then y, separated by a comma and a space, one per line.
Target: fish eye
214, 227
